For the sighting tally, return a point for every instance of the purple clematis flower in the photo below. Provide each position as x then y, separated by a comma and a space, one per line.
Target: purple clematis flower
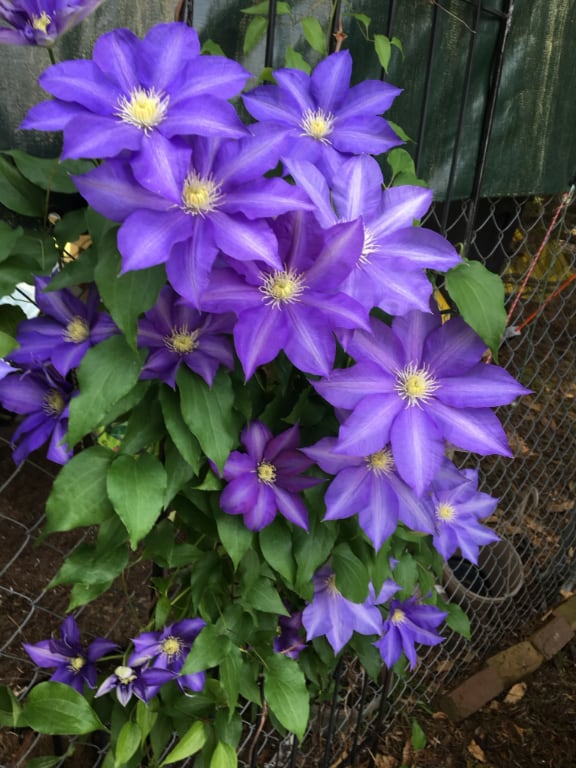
135, 91
187, 202
324, 117
167, 650
75, 666
332, 615
370, 487
409, 623
415, 385
43, 397
457, 507
41, 22
289, 639
296, 308
177, 334
391, 271
5, 369
68, 328
134, 681
266, 479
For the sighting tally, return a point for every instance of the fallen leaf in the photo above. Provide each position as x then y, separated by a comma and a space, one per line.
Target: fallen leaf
515, 693
385, 761
476, 751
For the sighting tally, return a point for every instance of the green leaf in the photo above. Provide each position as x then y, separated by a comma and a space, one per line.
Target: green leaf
79, 496
178, 471
286, 694
457, 619
254, 33
49, 761
58, 709
92, 565
126, 296
81, 270
9, 236
276, 546
136, 487
295, 60
145, 425
311, 550
397, 43
146, 716
192, 742
314, 34
363, 646
363, 19
127, 743
401, 133
7, 344
209, 650
234, 535
212, 48
262, 9
479, 295
263, 596
406, 575
418, 739
49, 174
383, 50
352, 576
224, 756
10, 318
183, 439
81, 594
107, 373
400, 161
10, 709
230, 668
18, 194
208, 413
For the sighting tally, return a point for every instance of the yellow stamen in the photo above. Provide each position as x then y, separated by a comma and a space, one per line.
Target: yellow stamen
416, 385
331, 585
182, 341
41, 22
381, 463
125, 675
445, 512
53, 403
283, 287
77, 663
317, 124
201, 194
172, 647
398, 617
77, 330
266, 472
143, 108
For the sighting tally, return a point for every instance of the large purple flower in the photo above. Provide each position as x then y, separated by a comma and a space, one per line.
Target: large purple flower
167, 649
391, 272
176, 334
68, 328
186, 203
41, 22
370, 487
415, 385
458, 505
266, 479
298, 307
144, 683
43, 397
75, 666
134, 91
409, 623
289, 640
324, 117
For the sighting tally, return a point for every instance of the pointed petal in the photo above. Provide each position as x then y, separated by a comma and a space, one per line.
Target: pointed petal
255, 438
291, 506
146, 238
245, 240
81, 82
330, 80
345, 387
203, 115
310, 345
240, 495
417, 447
263, 512
400, 207
453, 348
116, 55
473, 429
482, 386
190, 264
348, 493
371, 135
372, 97
340, 254
259, 335
367, 429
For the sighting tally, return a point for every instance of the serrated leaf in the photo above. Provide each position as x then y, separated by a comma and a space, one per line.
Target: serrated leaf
383, 49
49, 174
314, 34
17, 193
254, 33
224, 756
127, 743
192, 742
295, 60
136, 486
479, 296
352, 576
79, 495
58, 709
208, 650
286, 693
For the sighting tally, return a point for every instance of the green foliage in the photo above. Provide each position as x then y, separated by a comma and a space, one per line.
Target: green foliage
58, 709
286, 693
191, 743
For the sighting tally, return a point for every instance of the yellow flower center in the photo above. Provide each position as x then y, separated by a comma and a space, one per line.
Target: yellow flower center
416, 385
125, 675
381, 463
53, 403
182, 341
398, 617
445, 512
77, 663
41, 22
317, 124
283, 287
77, 330
172, 647
143, 108
331, 585
266, 472
201, 194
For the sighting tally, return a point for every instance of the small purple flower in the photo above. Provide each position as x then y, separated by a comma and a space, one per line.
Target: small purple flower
289, 640
134, 681
457, 507
65, 332
324, 117
134, 92
416, 385
297, 308
43, 397
75, 666
409, 623
167, 649
267, 479
41, 22
370, 487
332, 615
177, 334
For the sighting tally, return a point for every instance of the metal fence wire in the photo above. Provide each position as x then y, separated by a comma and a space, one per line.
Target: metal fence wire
536, 516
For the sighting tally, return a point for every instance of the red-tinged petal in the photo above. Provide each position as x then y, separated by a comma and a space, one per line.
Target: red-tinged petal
330, 80
291, 507
348, 493
367, 429
453, 348
373, 97
259, 335
147, 237
345, 387
483, 386
417, 447
473, 429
